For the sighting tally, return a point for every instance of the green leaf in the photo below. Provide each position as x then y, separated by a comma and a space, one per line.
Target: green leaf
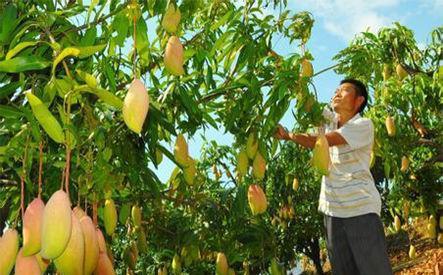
9, 89
89, 50
7, 22
222, 20
108, 98
45, 118
11, 53
23, 63
10, 112
70, 51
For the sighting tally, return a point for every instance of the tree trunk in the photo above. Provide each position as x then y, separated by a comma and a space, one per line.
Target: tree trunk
315, 256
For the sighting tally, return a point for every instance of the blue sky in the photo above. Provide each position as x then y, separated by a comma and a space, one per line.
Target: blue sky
336, 23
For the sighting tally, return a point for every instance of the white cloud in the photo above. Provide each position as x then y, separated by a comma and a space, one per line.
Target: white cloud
346, 18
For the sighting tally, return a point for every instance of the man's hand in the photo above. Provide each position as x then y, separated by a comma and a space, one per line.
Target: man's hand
280, 133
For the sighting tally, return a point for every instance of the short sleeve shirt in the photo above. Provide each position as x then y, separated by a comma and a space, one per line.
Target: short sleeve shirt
349, 189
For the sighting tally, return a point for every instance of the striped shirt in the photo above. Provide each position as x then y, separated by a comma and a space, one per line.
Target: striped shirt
349, 189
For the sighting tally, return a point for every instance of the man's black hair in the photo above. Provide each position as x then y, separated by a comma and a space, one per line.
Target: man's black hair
360, 90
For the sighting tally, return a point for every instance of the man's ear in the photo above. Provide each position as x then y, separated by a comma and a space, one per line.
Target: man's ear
360, 99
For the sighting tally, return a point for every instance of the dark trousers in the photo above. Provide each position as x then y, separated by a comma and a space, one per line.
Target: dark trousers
357, 245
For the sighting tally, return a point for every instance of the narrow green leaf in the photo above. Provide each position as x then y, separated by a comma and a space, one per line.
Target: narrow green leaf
23, 63
11, 53
70, 51
45, 118
10, 112
108, 98
89, 50
9, 89
222, 21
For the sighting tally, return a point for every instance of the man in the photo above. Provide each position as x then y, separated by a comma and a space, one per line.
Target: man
348, 198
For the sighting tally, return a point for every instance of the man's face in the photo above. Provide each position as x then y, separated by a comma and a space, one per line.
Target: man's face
346, 99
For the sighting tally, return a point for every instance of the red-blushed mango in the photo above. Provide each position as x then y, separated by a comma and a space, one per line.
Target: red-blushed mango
79, 212
259, 166
320, 157
221, 264
257, 199
56, 226
26, 265
104, 265
101, 241
91, 244
171, 19
110, 216
70, 262
136, 106
174, 56
32, 227
43, 263
9, 249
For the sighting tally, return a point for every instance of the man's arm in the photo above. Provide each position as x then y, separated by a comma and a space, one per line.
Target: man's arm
307, 140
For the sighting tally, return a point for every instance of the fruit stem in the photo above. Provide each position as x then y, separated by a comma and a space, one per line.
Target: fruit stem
40, 169
134, 65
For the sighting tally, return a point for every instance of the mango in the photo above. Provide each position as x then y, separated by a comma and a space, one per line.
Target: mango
110, 216
78, 212
176, 264
189, 172
440, 238
136, 106
104, 265
181, 154
306, 68
136, 214
32, 227
259, 166
404, 164
412, 253
9, 249
174, 56
171, 19
257, 199
242, 163
320, 157
401, 72
101, 241
231, 271
70, 262
397, 223
221, 264
25, 265
56, 226
251, 146
390, 126
295, 184
386, 72
142, 244
91, 244
162, 271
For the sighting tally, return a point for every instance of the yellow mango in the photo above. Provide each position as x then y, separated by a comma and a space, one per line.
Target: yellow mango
57, 225
397, 223
401, 72
189, 172
136, 106
171, 19
412, 253
295, 184
176, 264
221, 264
32, 227
390, 126
136, 214
251, 146
404, 164
242, 163
110, 216
306, 68
386, 72
70, 262
320, 157
9, 249
440, 238
181, 154
174, 56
